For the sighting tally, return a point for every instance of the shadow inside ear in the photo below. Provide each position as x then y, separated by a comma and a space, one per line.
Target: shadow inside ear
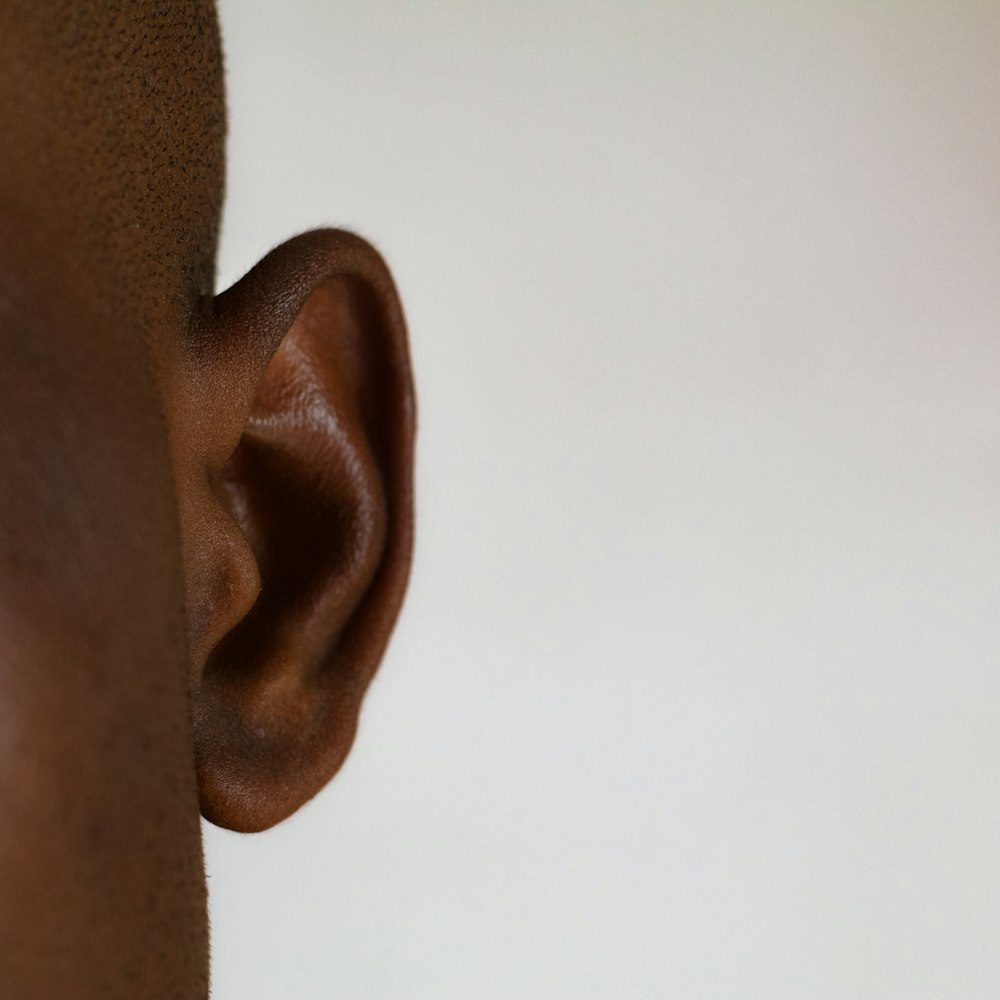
321, 485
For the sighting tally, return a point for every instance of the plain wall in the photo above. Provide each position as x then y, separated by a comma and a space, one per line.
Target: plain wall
696, 692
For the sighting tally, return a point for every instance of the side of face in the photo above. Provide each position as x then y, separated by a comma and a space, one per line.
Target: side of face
207, 499
269, 429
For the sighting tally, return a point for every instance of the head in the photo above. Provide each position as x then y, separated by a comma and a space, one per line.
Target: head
207, 496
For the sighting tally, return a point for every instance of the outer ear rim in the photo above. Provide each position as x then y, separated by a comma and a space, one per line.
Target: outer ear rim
286, 277
284, 280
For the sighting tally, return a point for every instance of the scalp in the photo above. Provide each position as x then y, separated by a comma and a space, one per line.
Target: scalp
113, 113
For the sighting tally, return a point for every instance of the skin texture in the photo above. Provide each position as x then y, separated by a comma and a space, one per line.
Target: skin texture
207, 504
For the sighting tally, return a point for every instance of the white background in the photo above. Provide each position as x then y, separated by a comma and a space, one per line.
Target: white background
696, 692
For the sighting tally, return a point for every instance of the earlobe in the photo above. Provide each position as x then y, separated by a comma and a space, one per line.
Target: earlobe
317, 485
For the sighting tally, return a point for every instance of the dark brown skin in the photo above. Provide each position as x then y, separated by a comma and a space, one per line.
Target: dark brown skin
206, 500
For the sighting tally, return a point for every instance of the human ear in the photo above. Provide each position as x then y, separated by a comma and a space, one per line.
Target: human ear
292, 430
